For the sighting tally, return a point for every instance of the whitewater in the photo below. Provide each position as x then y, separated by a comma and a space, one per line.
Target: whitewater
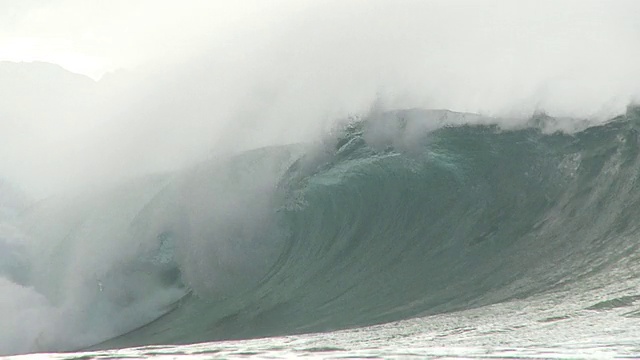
403, 233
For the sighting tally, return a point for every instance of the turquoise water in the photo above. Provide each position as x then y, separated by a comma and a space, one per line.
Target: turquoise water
410, 233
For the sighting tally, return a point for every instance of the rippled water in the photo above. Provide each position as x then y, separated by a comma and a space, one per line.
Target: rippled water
569, 323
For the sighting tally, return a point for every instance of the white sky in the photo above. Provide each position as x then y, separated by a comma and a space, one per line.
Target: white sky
92, 37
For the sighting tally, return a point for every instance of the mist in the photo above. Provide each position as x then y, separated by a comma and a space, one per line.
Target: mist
186, 84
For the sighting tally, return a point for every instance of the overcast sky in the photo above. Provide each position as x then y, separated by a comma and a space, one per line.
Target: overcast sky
92, 37
206, 74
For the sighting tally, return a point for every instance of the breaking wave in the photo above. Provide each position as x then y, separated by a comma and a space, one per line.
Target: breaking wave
397, 215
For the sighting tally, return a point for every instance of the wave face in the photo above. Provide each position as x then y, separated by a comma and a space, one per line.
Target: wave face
393, 217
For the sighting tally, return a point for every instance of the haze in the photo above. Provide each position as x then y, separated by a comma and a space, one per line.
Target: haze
184, 81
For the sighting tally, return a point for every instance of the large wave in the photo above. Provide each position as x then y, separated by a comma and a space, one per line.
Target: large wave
396, 215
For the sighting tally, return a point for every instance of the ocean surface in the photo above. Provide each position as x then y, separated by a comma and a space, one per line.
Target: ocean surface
406, 233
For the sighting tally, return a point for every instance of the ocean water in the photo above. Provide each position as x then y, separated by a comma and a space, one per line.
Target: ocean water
408, 233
